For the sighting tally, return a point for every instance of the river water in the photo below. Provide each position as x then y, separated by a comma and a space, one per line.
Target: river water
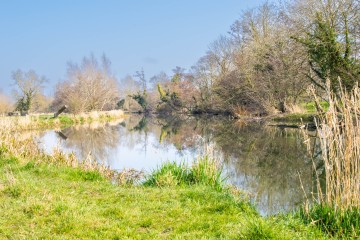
271, 164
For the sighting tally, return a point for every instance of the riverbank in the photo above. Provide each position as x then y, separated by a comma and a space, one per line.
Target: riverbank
65, 196
47, 121
39, 200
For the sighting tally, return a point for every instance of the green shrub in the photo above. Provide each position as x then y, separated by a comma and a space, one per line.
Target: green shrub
169, 174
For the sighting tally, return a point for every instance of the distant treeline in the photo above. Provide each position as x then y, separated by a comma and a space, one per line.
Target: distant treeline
267, 60
264, 64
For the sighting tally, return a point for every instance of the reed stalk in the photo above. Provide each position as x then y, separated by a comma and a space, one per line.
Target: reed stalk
338, 131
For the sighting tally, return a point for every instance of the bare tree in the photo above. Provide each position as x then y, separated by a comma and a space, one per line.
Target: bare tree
27, 86
140, 75
42, 103
161, 78
5, 104
141, 97
267, 58
89, 86
221, 51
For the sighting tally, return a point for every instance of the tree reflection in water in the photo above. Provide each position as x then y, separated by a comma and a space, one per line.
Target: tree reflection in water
95, 140
268, 162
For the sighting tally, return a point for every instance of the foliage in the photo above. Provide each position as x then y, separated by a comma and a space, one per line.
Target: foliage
327, 56
140, 98
264, 65
23, 104
162, 93
170, 99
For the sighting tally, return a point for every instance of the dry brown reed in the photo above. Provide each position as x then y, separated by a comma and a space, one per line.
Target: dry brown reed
296, 108
41, 121
338, 131
96, 116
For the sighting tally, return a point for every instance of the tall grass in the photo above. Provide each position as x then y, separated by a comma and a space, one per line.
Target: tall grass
338, 223
207, 171
337, 209
203, 171
339, 136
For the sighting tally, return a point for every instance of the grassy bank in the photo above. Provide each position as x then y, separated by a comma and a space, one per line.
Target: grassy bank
58, 197
305, 112
39, 200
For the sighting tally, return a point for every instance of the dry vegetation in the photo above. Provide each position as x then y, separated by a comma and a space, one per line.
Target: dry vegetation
337, 201
339, 136
5, 105
15, 145
41, 121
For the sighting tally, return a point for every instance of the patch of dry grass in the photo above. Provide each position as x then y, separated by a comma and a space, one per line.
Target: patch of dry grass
339, 135
41, 121
337, 207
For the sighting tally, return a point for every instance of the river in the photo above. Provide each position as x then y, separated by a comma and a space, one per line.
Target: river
271, 164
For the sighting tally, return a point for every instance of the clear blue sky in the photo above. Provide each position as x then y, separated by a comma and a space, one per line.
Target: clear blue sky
157, 35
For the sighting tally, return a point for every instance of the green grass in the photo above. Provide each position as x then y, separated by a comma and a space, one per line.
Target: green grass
340, 223
204, 171
311, 108
42, 201
49, 120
